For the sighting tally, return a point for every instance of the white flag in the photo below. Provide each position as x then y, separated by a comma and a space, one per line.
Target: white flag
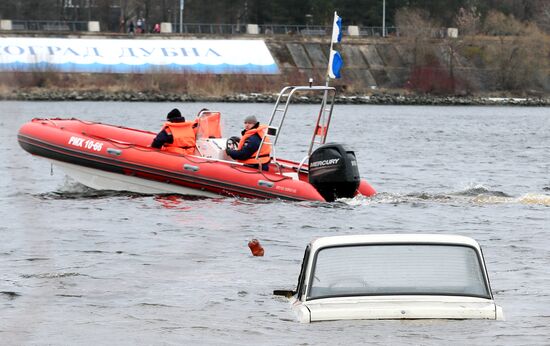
337, 29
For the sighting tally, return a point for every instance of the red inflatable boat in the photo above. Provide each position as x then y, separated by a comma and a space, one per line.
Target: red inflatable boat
118, 158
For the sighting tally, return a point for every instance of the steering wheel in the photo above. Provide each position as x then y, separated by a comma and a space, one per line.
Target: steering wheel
233, 143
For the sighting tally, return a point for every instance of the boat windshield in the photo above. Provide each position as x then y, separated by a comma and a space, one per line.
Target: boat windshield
397, 269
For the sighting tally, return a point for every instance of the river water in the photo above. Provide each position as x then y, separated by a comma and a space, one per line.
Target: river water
83, 267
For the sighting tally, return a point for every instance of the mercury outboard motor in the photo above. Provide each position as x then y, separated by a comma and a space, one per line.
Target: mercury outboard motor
333, 171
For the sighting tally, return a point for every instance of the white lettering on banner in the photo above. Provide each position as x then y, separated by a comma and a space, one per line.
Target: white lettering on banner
136, 56
324, 163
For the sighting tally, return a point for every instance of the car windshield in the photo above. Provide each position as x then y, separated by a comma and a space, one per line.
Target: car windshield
405, 269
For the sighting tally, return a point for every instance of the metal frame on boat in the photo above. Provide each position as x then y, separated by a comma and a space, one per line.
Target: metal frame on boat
323, 119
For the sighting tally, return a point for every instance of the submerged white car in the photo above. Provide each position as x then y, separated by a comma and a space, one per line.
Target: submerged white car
402, 276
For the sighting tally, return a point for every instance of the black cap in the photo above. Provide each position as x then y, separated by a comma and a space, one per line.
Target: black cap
173, 114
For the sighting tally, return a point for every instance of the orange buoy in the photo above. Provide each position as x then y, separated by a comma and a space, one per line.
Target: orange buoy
255, 247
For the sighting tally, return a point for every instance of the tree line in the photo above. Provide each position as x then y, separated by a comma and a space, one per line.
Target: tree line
111, 13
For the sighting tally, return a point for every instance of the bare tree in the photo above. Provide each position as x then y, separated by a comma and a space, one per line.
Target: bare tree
499, 24
417, 28
468, 20
521, 54
542, 17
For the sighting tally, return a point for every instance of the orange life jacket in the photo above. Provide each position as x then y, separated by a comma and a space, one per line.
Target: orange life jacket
184, 137
209, 125
265, 150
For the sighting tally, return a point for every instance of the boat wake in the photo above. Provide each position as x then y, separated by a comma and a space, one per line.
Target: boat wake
72, 189
528, 199
472, 194
477, 190
477, 195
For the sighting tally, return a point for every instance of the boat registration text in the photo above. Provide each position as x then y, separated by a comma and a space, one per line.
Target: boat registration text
85, 143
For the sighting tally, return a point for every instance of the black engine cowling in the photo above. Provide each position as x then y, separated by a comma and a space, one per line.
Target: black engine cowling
333, 171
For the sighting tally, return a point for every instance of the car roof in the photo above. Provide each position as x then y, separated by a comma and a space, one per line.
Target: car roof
392, 239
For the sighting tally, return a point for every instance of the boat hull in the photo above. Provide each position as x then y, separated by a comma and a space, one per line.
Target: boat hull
116, 158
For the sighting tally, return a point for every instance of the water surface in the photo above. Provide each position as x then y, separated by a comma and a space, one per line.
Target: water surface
87, 267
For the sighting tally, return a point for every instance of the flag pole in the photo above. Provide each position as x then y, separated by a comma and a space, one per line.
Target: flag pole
327, 74
327, 77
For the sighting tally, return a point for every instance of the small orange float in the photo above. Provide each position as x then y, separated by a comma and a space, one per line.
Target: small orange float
255, 247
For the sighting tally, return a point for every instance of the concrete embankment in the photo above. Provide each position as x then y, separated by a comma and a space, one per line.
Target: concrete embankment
474, 65
472, 71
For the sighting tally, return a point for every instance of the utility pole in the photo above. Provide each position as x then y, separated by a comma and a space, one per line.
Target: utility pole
383, 18
181, 15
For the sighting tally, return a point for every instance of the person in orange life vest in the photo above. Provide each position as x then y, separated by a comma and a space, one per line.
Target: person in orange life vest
177, 135
250, 143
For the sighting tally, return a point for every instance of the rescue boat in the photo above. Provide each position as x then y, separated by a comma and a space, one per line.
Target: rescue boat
109, 157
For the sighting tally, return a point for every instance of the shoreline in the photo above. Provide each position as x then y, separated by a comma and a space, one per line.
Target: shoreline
374, 99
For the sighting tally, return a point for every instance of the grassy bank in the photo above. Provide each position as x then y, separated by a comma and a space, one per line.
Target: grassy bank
51, 86
41, 85
193, 85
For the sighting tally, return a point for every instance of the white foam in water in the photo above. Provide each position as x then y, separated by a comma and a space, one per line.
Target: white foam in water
477, 194
72, 186
472, 188
534, 198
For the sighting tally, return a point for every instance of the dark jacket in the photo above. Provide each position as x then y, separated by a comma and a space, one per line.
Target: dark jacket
250, 146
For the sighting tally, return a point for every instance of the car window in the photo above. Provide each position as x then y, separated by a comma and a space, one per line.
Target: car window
397, 269
300, 287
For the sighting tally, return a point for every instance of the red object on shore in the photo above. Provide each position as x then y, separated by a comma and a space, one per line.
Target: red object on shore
255, 247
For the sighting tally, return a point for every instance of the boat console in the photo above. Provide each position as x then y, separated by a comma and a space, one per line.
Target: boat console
212, 148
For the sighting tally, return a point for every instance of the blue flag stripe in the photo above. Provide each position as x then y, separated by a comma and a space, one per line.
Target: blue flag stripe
336, 64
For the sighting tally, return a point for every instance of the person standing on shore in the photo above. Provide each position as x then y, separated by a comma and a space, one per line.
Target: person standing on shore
140, 27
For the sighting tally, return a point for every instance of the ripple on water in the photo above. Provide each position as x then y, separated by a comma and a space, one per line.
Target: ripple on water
50, 275
10, 294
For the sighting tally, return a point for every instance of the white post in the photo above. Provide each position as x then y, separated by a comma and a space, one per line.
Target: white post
181, 16
383, 18
166, 28
5, 24
93, 26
